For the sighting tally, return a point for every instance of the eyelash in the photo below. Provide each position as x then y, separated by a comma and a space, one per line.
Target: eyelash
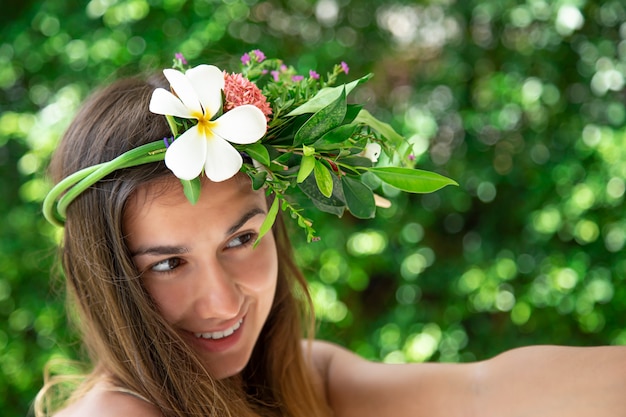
167, 261
245, 239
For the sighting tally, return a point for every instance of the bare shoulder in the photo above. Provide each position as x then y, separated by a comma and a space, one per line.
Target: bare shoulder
323, 353
103, 402
329, 359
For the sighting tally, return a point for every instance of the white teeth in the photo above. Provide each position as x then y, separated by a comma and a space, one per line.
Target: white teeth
222, 334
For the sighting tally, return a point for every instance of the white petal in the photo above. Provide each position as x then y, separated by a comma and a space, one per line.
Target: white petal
208, 83
223, 161
186, 156
164, 102
372, 151
381, 201
244, 124
183, 89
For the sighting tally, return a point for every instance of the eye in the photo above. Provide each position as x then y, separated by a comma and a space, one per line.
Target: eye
241, 240
166, 265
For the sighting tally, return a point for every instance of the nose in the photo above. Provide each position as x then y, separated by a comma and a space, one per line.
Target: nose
217, 295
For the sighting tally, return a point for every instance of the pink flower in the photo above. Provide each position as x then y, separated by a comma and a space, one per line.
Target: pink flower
179, 56
245, 59
411, 157
314, 75
260, 56
239, 91
276, 75
345, 67
297, 78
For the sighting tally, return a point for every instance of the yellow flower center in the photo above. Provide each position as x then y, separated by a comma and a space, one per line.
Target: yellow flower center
204, 124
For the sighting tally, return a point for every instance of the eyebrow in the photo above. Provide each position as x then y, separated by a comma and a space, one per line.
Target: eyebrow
178, 250
160, 250
247, 216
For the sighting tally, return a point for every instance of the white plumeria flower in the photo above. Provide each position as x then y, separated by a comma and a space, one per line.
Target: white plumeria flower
198, 95
372, 151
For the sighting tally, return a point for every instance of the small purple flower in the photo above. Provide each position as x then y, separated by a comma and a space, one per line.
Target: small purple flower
276, 75
344, 67
314, 75
168, 141
411, 157
245, 59
264, 71
179, 56
297, 78
283, 68
260, 56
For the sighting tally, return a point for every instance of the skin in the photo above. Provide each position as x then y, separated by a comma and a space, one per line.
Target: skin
536, 381
199, 266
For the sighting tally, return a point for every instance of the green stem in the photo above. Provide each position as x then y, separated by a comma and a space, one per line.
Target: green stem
78, 182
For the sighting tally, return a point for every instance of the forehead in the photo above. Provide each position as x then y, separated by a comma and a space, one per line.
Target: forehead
163, 200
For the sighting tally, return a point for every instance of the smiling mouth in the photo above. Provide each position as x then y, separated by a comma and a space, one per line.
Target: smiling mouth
220, 335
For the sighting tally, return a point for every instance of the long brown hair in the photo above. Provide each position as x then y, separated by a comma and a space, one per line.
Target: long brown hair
118, 321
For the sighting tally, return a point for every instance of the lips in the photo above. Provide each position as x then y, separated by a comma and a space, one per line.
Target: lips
220, 334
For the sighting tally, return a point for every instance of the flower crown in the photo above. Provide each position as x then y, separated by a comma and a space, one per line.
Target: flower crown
299, 137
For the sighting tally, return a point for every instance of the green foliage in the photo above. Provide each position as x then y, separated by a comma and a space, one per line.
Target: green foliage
522, 103
406, 179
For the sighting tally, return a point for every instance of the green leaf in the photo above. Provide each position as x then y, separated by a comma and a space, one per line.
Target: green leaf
283, 159
333, 205
352, 112
326, 96
323, 178
258, 179
191, 188
306, 166
257, 152
321, 122
383, 128
412, 180
267, 224
308, 150
335, 136
357, 161
359, 198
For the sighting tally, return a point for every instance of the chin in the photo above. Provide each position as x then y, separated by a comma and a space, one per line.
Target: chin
226, 368
223, 373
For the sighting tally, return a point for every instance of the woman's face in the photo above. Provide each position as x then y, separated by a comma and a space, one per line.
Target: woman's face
199, 265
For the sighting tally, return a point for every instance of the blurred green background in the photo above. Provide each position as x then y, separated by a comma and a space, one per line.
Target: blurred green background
522, 102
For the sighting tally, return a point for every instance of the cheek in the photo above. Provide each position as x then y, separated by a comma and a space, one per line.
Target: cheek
259, 272
169, 299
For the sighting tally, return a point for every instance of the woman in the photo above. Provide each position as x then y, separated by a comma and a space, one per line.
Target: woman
120, 322
188, 306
